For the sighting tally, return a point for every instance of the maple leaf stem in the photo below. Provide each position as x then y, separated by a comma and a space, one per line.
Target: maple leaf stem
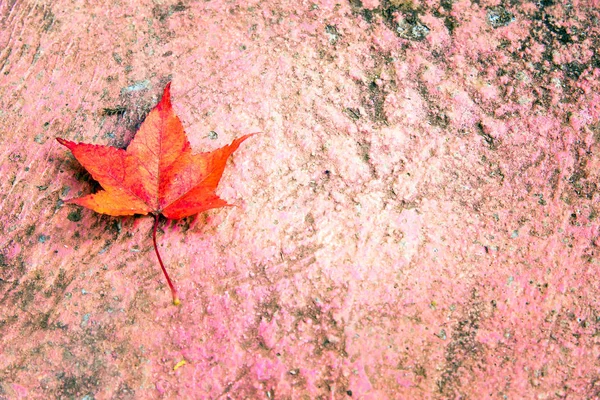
173, 290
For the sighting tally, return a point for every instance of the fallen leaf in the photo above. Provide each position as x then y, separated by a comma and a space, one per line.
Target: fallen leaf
157, 174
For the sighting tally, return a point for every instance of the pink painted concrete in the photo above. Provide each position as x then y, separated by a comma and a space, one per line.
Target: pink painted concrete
419, 218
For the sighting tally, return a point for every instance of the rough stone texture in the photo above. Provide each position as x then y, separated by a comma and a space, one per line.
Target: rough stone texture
418, 219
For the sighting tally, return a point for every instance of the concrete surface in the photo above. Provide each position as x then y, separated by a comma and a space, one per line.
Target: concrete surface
419, 218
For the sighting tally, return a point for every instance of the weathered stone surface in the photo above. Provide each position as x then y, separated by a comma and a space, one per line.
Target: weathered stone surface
418, 219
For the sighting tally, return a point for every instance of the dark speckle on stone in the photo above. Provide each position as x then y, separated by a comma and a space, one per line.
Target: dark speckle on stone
332, 33
544, 3
412, 29
74, 216
573, 69
499, 16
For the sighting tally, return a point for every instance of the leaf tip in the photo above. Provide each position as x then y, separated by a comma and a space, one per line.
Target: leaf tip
67, 143
165, 101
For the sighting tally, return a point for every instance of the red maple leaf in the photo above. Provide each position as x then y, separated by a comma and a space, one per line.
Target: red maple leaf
157, 174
